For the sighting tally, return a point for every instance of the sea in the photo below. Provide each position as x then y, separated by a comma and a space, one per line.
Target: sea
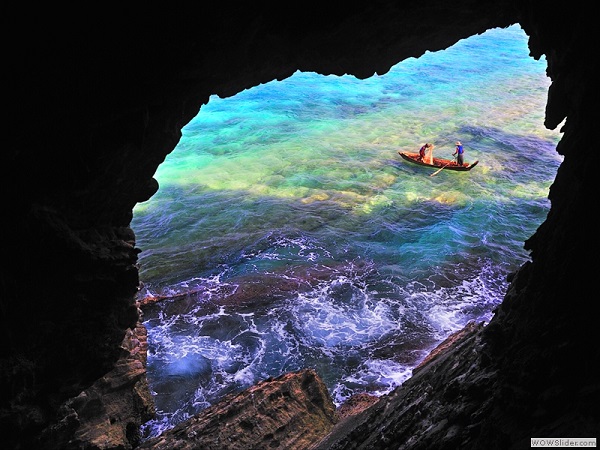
287, 232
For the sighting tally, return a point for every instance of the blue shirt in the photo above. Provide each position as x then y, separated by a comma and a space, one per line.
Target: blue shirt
459, 149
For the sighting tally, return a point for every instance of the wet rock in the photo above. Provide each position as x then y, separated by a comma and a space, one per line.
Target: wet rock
289, 412
354, 405
109, 413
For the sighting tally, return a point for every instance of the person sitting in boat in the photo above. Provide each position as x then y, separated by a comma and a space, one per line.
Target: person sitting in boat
423, 150
458, 152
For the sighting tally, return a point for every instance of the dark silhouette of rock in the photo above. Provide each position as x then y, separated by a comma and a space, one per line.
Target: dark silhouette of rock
109, 413
96, 100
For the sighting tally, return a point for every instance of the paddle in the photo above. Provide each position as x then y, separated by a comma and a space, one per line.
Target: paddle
439, 170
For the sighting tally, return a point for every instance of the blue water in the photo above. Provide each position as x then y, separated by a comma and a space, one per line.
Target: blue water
302, 239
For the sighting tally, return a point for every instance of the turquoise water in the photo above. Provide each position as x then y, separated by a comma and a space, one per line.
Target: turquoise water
304, 240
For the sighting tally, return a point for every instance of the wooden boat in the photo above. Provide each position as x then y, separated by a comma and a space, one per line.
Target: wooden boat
438, 163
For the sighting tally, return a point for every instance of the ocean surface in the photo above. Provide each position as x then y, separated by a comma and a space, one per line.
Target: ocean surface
303, 239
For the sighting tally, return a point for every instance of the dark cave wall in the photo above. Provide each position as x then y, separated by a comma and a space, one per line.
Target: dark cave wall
545, 321
97, 103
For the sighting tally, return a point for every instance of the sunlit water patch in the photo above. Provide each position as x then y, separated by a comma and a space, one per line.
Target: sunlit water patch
290, 234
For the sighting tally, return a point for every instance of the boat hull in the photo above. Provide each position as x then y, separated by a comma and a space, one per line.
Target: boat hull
438, 163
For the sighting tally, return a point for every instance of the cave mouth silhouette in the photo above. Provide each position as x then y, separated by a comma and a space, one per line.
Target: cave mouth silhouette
321, 152
94, 115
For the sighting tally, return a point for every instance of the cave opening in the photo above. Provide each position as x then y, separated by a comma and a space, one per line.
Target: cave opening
287, 232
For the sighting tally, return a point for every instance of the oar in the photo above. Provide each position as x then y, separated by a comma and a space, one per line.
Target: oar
439, 170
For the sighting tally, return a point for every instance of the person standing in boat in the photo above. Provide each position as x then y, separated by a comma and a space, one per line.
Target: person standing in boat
459, 152
423, 151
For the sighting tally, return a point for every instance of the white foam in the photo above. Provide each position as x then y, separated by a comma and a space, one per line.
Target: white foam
374, 376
